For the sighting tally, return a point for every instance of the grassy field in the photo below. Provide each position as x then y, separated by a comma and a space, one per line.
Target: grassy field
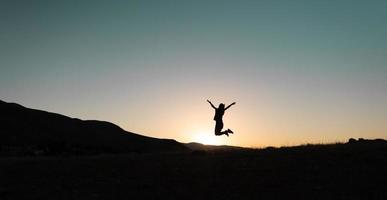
340, 171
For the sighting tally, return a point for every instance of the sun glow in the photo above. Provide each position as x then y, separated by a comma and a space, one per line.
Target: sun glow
207, 138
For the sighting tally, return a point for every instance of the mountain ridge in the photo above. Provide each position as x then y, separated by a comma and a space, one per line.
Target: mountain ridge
25, 127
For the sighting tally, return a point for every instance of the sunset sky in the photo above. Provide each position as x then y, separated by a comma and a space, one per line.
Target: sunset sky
301, 71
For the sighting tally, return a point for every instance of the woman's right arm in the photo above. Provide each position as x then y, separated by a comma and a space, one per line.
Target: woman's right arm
212, 105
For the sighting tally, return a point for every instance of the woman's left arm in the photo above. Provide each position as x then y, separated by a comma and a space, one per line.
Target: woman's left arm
230, 105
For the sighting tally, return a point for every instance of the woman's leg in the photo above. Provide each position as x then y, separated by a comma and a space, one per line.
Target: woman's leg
226, 132
219, 127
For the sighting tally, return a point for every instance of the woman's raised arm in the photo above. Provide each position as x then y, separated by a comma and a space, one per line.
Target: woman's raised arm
230, 106
212, 105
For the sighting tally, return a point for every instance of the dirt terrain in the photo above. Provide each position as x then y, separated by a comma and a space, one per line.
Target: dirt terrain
355, 170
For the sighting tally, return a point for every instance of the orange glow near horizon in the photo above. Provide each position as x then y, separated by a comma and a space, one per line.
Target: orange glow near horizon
255, 125
205, 138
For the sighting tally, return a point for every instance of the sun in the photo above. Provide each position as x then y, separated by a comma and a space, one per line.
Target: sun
207, 138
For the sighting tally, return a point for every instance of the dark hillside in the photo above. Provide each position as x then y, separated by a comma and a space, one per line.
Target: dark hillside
23, 129
355, 170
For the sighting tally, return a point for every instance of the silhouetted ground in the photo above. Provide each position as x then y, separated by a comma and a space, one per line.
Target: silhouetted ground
357, 170
26, 131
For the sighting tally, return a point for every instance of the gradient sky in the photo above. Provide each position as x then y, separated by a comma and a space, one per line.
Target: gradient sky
301, 71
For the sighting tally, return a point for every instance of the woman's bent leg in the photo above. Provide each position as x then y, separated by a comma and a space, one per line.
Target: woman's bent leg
219, 127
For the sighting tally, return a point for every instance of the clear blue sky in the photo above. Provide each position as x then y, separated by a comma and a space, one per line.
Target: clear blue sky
301, 71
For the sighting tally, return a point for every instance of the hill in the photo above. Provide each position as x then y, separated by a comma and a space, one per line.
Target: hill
194, 146
353, 170
24, 130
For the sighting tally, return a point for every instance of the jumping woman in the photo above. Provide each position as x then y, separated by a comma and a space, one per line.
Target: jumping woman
219, 112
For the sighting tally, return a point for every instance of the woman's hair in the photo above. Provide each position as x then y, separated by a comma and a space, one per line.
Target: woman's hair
221, 106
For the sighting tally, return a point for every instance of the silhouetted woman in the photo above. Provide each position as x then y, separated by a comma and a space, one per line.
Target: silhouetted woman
219, 112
